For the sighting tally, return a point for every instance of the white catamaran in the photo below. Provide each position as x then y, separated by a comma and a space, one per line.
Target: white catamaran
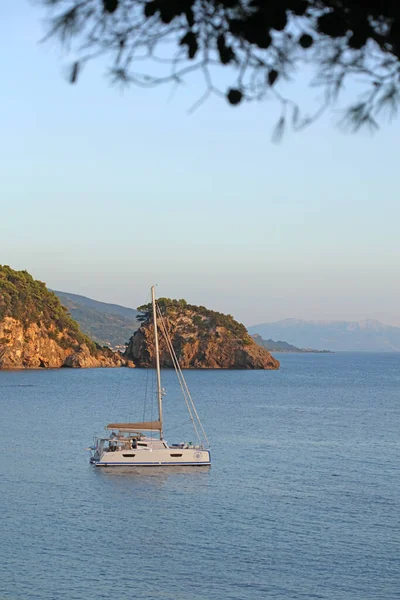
128, 446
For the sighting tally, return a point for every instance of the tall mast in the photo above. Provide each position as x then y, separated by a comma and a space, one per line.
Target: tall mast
159, 391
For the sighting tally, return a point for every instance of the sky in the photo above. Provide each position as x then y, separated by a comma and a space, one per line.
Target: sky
105, 193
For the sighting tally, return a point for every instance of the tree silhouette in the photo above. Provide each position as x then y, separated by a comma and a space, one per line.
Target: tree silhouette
260, 43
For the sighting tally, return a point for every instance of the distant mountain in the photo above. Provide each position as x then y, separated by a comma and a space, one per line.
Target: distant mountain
280, 346
107, 324
365, 336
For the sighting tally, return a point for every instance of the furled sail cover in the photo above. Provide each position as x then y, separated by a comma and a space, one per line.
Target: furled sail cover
144, 426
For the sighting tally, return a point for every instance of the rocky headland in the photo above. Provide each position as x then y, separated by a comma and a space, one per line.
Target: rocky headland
36, 331
201, 338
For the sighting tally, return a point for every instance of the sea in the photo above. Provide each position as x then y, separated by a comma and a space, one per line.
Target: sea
302, 500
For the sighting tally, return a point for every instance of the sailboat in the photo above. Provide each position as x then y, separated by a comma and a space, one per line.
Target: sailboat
137, 444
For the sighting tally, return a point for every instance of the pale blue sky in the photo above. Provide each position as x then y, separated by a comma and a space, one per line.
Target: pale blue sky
104, 193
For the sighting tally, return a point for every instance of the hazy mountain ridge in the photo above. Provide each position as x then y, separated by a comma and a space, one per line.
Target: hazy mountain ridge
113, 324
107, 324
281, 346
368, 335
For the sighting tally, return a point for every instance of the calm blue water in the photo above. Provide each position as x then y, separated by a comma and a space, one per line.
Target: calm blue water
302, 500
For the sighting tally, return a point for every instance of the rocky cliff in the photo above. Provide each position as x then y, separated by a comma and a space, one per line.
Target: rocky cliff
37, 332
201, 338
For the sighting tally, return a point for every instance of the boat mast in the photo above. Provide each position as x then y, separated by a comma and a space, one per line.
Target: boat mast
159, 391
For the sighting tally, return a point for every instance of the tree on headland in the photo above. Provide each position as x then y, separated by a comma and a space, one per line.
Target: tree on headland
260, 43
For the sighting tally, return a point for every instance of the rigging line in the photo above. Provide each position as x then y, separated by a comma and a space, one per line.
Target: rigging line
185, 391
174, 359
176, 365
186, 402
179, 373
195, 412
184, 381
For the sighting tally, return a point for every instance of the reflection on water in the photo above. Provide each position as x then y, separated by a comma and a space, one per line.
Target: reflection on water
156, 476
302, 499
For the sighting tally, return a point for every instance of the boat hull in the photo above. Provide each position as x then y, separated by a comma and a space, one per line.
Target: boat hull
155, 458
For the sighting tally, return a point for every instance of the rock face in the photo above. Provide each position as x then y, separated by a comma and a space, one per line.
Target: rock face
84, 359
201, 338
32, 348
27, 347
37, 332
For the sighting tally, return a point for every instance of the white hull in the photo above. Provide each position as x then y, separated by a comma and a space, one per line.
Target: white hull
127, 445
154, 458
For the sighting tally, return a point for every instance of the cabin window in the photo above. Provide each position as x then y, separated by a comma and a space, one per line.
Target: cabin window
141, 444
176, 455
129, 455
